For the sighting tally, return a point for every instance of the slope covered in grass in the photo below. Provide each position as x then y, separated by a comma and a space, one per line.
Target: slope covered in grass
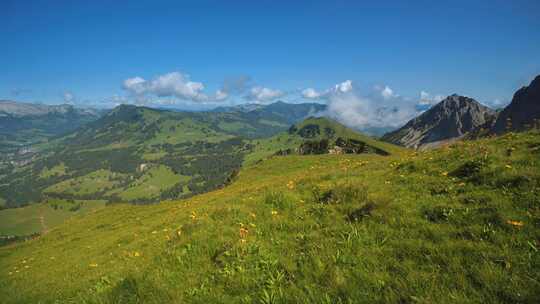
460, 224
313, 129
206, 147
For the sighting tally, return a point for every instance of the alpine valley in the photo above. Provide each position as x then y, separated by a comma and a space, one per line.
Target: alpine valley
269, 152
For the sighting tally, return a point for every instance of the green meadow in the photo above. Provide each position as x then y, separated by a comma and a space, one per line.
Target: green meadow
460, 224
39, 218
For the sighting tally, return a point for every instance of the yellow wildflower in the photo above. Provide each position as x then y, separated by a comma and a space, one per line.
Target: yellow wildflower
93, 265
290, 185
253, 215
136, 254
515, 223
508, 166
243, 232
274, 212
444, 173
154, 232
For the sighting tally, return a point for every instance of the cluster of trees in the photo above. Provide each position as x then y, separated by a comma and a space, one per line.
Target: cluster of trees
314, 147
309, 131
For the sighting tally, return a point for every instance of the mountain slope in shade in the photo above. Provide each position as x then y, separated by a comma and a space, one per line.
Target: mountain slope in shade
450, 119
522, 112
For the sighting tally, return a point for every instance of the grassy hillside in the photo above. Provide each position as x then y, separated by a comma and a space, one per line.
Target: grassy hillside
102, 160
135, 154
39, 218
313, 129
455, 225
142, 155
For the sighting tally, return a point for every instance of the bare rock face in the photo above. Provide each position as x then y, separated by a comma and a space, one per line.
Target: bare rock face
450, 119
523, 112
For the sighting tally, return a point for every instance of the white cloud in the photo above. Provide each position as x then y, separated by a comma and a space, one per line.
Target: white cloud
343, 87
175, 84
221, 95
262, 94
136, 85
427, 99
381, 108
340, 88
373, 111
387, 93
310, 93
69, 97
178, 85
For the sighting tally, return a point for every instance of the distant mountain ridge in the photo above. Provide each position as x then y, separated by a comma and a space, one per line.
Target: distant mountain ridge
23, 124
288, 112
450, 119
22, 109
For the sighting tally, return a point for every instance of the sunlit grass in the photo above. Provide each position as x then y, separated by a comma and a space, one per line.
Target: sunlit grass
454, 225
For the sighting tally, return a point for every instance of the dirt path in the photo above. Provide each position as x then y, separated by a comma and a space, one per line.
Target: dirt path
44, 228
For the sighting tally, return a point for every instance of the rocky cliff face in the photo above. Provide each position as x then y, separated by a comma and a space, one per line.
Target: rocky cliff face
523, 112
450, 119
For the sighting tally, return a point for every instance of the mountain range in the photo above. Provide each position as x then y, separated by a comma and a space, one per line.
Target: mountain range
457, 116
139, 154
269, 204
23, 124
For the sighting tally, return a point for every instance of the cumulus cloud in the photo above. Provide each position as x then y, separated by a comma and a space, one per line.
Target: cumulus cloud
176, 85
262, 94
173, 84
427, 99
387, 93
69, 98
376, 110
343, 87
221, 95
310, 93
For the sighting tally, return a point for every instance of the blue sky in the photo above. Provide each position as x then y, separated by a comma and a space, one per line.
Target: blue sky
184, 51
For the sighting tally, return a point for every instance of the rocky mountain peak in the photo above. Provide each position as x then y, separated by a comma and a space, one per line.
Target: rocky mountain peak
450, 119
523, 112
